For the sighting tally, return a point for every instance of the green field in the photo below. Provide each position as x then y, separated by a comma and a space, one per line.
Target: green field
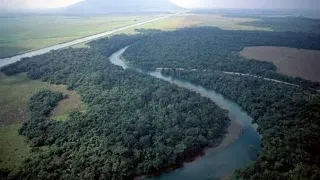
13, 149
14, 95
20, 34
15, 92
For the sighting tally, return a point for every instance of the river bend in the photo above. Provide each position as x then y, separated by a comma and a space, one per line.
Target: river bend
215, 164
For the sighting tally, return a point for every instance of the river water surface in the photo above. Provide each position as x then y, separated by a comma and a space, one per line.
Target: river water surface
214, 164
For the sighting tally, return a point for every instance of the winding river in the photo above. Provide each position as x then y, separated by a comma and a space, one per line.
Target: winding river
217, 162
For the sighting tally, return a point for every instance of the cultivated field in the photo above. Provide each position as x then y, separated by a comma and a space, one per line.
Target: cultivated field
15, 92
290, 61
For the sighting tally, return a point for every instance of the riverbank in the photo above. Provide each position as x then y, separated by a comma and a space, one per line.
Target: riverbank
234, 132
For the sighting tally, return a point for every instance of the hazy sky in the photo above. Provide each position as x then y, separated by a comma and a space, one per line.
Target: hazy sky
36, 4
266, 4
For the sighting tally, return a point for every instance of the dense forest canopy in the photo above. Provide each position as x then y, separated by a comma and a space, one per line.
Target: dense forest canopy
133, 125
209, 48
288, 117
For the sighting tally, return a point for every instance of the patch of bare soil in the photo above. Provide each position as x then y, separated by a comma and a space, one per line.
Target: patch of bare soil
289, 61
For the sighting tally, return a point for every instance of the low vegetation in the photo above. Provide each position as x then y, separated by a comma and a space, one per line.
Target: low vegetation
69, 104
21, 34
15, 92
14, 149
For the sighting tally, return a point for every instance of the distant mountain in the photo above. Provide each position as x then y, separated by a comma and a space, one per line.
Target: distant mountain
121, 6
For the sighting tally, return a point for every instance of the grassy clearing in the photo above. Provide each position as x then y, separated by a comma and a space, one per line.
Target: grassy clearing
73, 102
15, 92
289, 61
14, 149
25, 33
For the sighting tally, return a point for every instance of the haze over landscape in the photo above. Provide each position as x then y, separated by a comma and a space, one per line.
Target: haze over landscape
160, 89
247, 4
